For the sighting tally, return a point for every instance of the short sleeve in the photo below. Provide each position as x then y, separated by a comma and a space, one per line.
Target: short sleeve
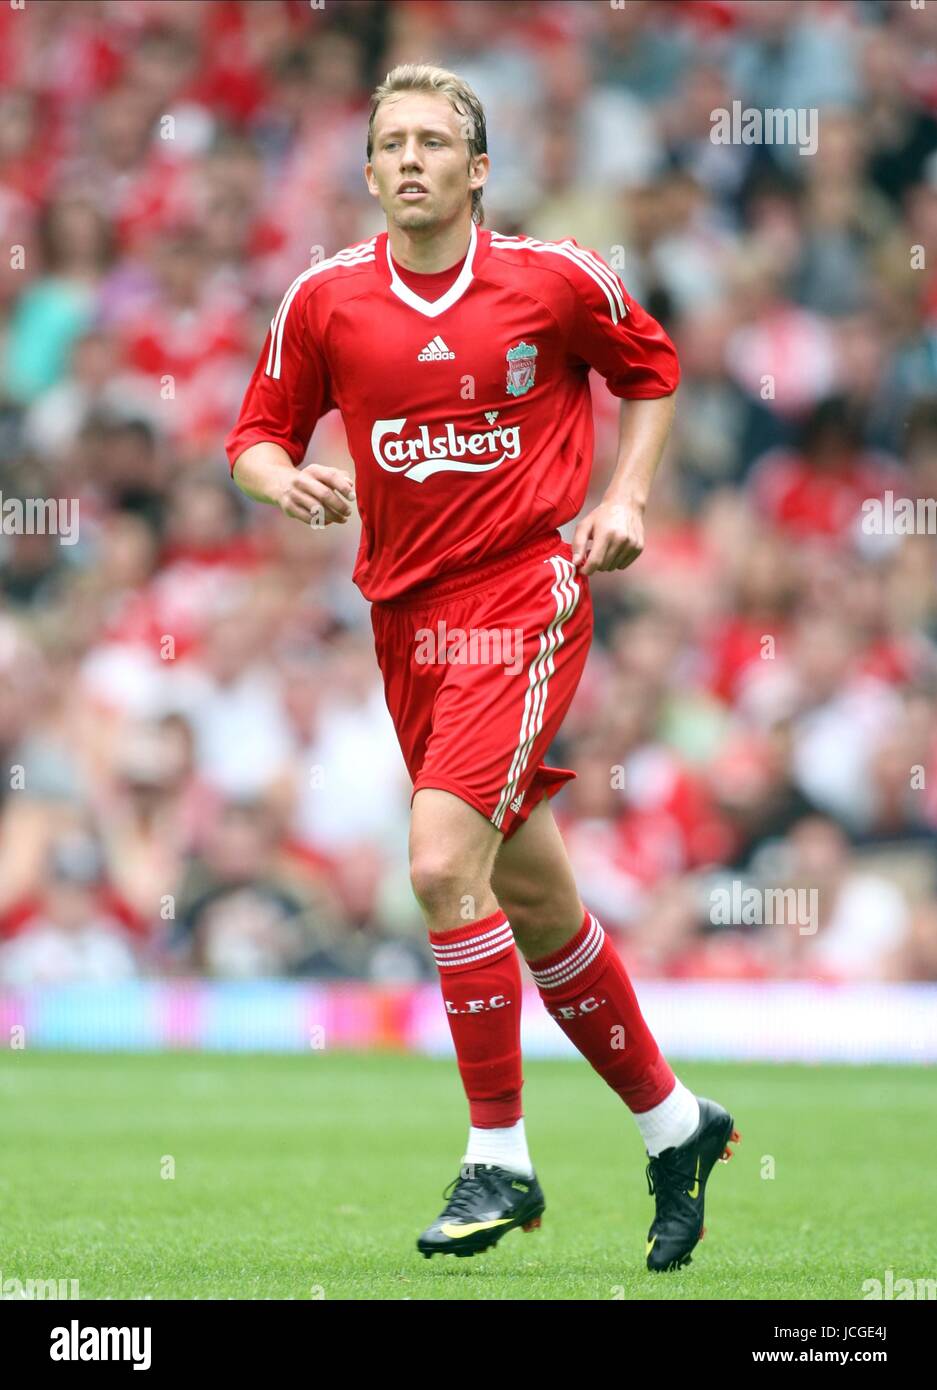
289, 390
611, 332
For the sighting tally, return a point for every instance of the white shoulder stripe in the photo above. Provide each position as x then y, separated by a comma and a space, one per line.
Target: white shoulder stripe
590, 263
582, 252
354, 255
351, 254
602, 274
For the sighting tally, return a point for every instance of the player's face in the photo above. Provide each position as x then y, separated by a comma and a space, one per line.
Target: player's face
419, 168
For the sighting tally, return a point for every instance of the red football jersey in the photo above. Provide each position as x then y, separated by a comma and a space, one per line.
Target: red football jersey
468, 417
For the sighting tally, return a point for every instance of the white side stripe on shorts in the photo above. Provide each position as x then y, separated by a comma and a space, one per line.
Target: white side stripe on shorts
566, 594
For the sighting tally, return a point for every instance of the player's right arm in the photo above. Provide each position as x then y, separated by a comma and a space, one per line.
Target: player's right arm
315, 494
287, 393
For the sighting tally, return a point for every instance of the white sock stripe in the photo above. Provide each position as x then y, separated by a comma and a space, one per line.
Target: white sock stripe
568, 969
444, 946
572, 961
500, 948
451, 945
566, 595
596, 269
353, 256
575, 970
590, 933
559, 966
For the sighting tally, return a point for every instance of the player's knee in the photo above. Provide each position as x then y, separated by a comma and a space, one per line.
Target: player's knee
536, 914
438, 879
533, 931
525, 896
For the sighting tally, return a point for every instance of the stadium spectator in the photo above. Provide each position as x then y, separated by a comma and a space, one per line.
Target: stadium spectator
69, 938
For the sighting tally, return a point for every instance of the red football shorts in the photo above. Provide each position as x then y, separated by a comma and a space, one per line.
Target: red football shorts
479, 670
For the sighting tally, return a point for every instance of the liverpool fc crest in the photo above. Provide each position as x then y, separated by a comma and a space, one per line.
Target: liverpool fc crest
522, 366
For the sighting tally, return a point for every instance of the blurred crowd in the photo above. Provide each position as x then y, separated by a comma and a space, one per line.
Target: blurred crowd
199, 774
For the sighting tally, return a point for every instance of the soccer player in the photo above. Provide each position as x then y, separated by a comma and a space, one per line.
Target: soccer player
459, 359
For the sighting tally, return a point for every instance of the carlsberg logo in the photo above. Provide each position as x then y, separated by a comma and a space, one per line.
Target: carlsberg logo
422, 455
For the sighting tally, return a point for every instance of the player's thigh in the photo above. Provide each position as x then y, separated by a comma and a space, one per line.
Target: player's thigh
451, 843
534, 883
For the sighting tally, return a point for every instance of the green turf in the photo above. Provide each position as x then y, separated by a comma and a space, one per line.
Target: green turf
303, 1173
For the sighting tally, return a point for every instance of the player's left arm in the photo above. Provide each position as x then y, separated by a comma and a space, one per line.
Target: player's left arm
611, 536
618, 337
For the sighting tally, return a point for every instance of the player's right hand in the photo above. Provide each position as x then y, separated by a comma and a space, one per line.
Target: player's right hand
317, 495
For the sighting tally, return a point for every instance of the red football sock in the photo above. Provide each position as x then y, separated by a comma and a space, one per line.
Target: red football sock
586, 989
481, 985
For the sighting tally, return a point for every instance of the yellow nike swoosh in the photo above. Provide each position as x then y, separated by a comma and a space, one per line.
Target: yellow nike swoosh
457, 1232
694, 1190
650, 1247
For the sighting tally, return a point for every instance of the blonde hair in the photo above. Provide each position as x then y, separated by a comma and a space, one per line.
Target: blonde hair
425, 77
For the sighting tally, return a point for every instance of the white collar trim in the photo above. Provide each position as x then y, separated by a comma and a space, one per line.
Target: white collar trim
432, 308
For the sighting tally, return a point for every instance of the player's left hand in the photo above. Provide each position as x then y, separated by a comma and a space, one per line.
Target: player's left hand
610, 538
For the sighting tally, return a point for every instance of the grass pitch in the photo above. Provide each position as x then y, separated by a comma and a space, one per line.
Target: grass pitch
311, 1176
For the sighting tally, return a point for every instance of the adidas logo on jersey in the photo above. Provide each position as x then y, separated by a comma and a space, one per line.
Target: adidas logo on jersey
436, 351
